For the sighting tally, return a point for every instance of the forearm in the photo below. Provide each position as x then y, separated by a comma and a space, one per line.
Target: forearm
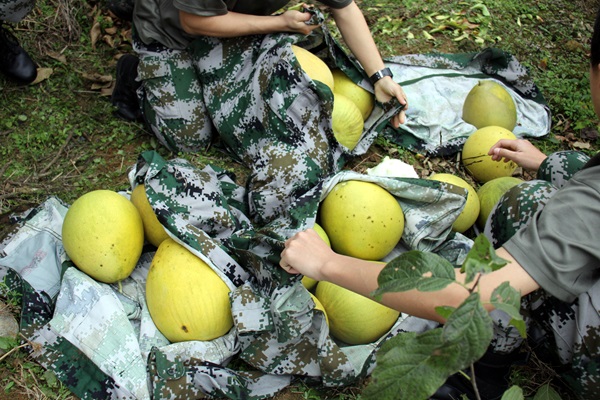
355, 31
232, 24
361, 277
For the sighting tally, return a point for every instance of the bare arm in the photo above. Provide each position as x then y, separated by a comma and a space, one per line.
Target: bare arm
521, 151
306, 253
235, 24
355, 31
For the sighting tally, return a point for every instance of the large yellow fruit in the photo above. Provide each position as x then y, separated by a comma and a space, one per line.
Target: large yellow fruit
362, 98
354, 319
319, 306
310, 283
490, 193
346, 121
362, 220
315, 68
186, 299
489, 104
153, 230
475, 156
470, 212
103, 235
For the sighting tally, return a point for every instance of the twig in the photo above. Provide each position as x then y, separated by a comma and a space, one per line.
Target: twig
13, 350
44, 171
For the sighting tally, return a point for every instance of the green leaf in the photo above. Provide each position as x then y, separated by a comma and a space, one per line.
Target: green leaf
7, 343
546, 392
413, 366
508, 299
445, 311
513, 393
406, 272
472, 325
481, 259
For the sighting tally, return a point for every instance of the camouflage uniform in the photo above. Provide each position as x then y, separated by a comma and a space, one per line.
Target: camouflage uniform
566, 335
15, 10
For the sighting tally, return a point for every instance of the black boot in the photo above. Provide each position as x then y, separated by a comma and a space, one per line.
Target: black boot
123, 9
124, 95
15, 63
491, 375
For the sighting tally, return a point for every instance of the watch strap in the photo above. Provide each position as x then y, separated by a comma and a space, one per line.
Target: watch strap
380, 74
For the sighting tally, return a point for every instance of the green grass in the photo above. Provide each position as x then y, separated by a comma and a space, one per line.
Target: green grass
59, 137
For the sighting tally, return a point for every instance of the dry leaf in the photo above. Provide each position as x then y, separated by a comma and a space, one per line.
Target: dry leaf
95, 34
96, 77
57, 56
581, 145
42, 75
111, 31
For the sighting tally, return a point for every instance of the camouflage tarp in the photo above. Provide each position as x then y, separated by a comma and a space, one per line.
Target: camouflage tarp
436, 86
100, 340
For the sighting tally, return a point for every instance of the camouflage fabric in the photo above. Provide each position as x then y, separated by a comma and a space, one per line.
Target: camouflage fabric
15, 10
100, 340
562, 334
436, 86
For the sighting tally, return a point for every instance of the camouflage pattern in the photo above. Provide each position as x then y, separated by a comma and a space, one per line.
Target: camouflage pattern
434, 124
564, 335
15, 10
100, 339
266, 111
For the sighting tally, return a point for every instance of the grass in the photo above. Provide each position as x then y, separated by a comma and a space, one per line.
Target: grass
59, 137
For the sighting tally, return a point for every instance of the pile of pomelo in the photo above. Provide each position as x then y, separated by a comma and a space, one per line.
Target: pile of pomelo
352, 104
103, 234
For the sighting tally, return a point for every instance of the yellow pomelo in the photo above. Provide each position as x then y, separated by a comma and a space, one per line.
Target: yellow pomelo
309, 283
489, 194
103, 235
354, 319
319, 306
315, 68
475, 156
186, 299
346, 121
362, 98
470, 212
153, 230
489, 104
362, 219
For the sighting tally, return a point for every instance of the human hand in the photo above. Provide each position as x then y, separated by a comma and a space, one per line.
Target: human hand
305, 253
386, 89
295, 21
521, 151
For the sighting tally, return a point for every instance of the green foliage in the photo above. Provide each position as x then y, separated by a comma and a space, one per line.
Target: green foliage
419, 363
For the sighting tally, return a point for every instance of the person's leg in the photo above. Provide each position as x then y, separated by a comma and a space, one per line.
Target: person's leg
170, 98
15, 62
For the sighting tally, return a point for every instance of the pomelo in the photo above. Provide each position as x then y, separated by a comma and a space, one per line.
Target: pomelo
362, 98
354, 319
310, 283
186, 299
489, 194
319, 306
153, 230
361, 219
490, 104
103, 235
475, 156
315, 68
470, 212
346, 121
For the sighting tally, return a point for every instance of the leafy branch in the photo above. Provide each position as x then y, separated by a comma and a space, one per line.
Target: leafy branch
414, 365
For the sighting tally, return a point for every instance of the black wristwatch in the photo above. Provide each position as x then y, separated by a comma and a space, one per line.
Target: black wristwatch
380, 74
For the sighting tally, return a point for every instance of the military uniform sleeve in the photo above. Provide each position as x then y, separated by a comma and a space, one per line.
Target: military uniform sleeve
204, 8
559, 249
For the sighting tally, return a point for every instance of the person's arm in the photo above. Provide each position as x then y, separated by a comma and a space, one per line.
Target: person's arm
355, 31
521, 151
306, 253
234, 24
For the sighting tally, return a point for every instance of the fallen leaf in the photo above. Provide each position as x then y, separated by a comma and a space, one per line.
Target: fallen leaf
95, 34
57, 56
42, 75
581, 145
96, 77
